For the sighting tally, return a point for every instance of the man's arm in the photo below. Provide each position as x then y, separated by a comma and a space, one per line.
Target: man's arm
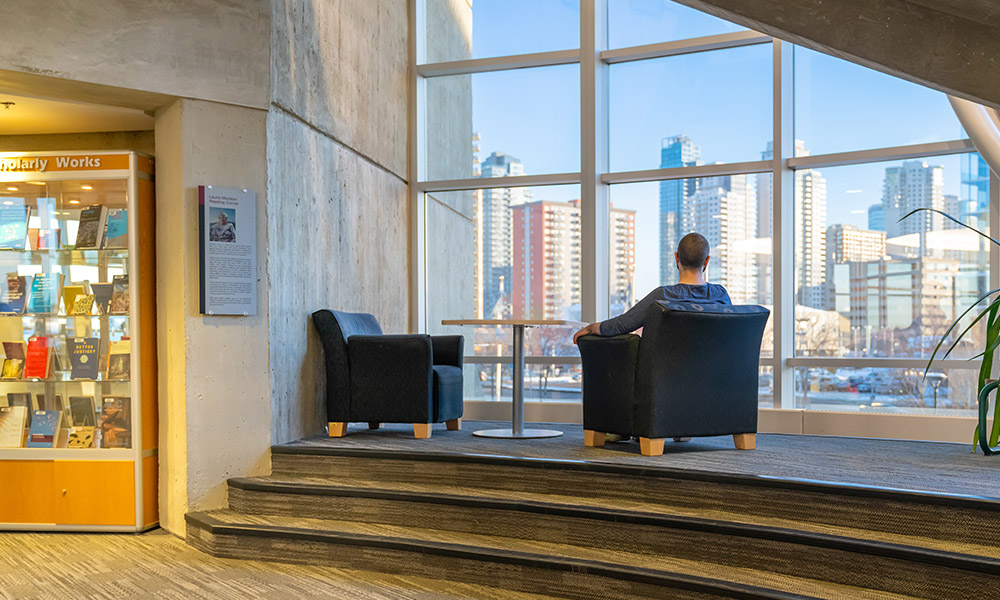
628, 322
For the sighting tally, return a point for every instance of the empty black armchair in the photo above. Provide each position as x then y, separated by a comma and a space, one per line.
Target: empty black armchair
376, 378
694, 372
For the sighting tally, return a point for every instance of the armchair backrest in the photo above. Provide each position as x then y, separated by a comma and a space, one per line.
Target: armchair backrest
334, 328
697, 369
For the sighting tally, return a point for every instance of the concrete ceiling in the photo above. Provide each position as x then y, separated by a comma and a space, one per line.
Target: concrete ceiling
949, 45
40, 116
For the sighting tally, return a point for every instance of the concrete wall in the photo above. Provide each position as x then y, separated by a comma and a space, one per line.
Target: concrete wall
213, 371
208, 49
140, 141
337, 207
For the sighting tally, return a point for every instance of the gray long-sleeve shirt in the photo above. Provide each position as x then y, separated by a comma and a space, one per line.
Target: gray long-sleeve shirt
632, 319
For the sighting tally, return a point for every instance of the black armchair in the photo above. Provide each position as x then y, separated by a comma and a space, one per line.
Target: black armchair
376, 378
694, 372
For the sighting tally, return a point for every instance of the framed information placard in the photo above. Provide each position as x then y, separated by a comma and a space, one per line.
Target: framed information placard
227, 221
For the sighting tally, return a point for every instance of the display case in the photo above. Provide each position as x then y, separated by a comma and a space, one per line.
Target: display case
78, 447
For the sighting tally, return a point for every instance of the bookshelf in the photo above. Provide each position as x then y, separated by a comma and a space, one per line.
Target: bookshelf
96, 468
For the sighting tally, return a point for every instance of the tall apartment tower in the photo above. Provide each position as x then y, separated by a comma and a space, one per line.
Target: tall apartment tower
876, 217
810, 238
913, 185
847, 243
493, 244
548, 259
724, 210
765, 222
677, 151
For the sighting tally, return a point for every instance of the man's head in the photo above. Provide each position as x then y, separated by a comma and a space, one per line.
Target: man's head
692, 253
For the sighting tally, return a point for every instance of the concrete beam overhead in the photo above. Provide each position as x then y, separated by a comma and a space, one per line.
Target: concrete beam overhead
952, 46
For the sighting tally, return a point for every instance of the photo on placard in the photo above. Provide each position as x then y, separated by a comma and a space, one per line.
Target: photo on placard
223, 227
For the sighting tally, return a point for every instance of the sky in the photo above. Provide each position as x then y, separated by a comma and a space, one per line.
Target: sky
722, 100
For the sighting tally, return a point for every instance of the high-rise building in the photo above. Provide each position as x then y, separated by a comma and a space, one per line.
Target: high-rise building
493, 236
677, 151
876, 217
548, 258
810, 238
975, 196
765, 222
913, 185
847, 243
724, 210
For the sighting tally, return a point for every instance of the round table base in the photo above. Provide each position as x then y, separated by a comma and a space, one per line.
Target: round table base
524, 435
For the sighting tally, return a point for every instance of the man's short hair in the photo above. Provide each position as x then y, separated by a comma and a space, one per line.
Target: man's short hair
692, 251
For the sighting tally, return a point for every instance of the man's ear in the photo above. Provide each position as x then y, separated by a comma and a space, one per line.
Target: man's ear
677, 261
705, 266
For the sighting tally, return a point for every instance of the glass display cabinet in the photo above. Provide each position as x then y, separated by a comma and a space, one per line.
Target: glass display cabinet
78, 420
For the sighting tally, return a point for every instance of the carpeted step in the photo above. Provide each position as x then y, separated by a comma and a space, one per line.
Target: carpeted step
935, 516
553, 569
859, 558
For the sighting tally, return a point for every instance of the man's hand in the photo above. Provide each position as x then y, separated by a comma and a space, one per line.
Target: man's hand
592, 329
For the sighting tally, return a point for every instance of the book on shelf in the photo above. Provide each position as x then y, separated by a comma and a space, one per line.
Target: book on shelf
23, 399
13, 422
14, 223
69, 294
82, 411
45, 292
14, 294
116, 422
81, 437
83, 306
90, 233
102, 296
119, 360
38, 358
45, 402
119, 295
43, 239
13, 368
44, 429
117, 231
83, 357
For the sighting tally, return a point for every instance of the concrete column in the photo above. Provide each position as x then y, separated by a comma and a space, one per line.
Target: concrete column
215, 411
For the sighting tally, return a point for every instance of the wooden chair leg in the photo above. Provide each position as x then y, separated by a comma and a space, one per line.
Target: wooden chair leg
682, 439
594, 439
337, 429
745, 441
651, 446
374, 424
454, 424
421, 431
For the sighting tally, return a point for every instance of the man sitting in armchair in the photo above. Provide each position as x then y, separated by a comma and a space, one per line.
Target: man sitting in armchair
692, 259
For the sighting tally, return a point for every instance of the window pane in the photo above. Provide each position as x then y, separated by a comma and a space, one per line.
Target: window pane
719, 100
900, 391
648, 219
870, 285
487, 28
542, 382
639, 22
841, 106
505, 253
530, 114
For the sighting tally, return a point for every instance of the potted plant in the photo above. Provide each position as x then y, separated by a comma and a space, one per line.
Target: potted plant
985, 385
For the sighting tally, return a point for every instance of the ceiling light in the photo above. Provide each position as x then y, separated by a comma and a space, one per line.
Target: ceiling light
87, 187
8, 203
74, 201
11, 188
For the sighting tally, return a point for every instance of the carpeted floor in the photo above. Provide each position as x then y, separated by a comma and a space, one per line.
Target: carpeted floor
922, 466
159, 565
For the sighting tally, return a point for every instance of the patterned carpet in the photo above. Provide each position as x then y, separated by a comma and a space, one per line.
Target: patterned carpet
923, 466
159, 565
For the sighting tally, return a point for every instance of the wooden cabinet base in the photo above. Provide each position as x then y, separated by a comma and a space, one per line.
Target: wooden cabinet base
68, 492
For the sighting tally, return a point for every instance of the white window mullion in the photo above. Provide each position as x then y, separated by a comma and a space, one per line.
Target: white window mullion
782, 240
594, 206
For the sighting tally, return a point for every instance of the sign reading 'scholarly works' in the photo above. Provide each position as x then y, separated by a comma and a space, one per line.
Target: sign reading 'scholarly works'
45, 164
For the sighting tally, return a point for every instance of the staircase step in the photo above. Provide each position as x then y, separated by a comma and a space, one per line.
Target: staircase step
560, 570
291, 496
858, 561
934, 516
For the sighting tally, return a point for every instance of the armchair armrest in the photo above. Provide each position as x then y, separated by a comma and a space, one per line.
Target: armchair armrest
391, 378
609, 382
448, 350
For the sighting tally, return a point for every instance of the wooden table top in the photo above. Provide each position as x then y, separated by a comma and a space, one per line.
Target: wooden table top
503, 322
